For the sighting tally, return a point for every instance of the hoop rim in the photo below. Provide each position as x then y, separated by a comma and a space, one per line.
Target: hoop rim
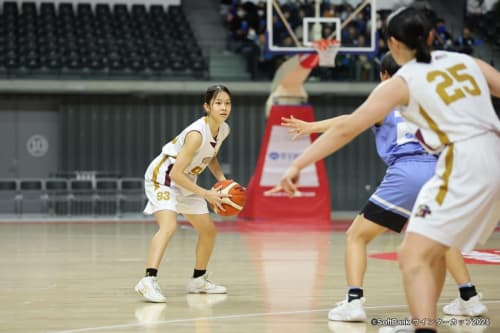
327, 50
325, 44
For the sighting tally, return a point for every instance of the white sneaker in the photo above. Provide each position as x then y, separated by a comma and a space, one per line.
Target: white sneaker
348, 311
149, 288
472, 307
397, 329
201, 285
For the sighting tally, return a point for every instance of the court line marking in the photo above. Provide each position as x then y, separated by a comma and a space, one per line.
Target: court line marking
243, 315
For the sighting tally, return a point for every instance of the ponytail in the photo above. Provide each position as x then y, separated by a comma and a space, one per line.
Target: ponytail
422, 53
411, 27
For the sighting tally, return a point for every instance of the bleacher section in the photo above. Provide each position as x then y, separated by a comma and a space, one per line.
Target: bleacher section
105, 41
109, 196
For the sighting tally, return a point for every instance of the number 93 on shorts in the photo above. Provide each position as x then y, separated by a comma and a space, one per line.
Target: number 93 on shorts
161, 197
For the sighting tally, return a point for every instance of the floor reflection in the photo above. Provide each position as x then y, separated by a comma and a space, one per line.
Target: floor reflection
148, 314
204, 301
344, 327
289, 264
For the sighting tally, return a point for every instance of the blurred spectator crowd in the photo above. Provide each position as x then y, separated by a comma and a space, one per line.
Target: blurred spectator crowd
246, 25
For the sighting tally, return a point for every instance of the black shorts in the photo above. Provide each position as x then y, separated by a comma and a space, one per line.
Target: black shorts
384, 217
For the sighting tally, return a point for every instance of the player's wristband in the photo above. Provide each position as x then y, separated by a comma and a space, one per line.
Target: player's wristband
310, 60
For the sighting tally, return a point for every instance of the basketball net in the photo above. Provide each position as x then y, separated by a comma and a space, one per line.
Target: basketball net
327, 51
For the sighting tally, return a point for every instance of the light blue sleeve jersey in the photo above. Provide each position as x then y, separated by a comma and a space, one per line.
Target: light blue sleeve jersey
394, 139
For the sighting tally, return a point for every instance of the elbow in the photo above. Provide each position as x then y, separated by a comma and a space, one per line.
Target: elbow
346, 133
350, 128
175, 175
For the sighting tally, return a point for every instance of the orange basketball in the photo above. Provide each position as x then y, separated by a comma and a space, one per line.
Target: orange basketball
235, 203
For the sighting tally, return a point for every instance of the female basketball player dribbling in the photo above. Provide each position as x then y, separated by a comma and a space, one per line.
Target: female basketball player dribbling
447, 96
171, 189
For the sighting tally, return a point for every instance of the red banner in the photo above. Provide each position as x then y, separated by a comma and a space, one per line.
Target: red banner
277, 153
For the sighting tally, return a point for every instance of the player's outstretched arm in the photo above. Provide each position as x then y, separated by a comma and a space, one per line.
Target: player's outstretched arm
381, 101
492, 77
301, 127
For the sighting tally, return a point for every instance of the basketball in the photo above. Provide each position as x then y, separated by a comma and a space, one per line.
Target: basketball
235, 203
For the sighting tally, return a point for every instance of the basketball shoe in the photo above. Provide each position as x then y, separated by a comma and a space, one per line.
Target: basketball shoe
348, 311
149, 288
472, 307
201, 285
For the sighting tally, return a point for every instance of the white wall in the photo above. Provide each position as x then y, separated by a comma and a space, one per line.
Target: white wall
129, 2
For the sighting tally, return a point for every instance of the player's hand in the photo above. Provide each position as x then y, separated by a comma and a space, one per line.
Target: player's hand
296, 126
277, 189
290, 180
288, 183
214, 197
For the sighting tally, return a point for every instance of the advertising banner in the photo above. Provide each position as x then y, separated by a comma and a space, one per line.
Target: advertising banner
278, 151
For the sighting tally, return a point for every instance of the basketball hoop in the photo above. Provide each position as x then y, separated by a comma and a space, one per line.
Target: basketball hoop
327, 50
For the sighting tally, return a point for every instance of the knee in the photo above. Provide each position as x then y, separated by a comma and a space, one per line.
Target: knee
208, 230
167, 228
357, 236
411, 259
351, 236
405, 259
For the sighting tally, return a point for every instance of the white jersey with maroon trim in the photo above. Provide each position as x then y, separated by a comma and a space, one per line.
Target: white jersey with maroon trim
159, 169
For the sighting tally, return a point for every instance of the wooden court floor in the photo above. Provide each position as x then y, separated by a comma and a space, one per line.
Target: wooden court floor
79, 277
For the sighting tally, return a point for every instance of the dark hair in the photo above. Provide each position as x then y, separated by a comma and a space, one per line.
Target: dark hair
388, 64
430, 15
411, 27
213, 91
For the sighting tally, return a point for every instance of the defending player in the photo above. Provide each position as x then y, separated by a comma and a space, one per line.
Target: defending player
409, 167
171, 189
447, 96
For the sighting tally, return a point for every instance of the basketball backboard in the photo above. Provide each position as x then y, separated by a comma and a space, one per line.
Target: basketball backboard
292, 25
